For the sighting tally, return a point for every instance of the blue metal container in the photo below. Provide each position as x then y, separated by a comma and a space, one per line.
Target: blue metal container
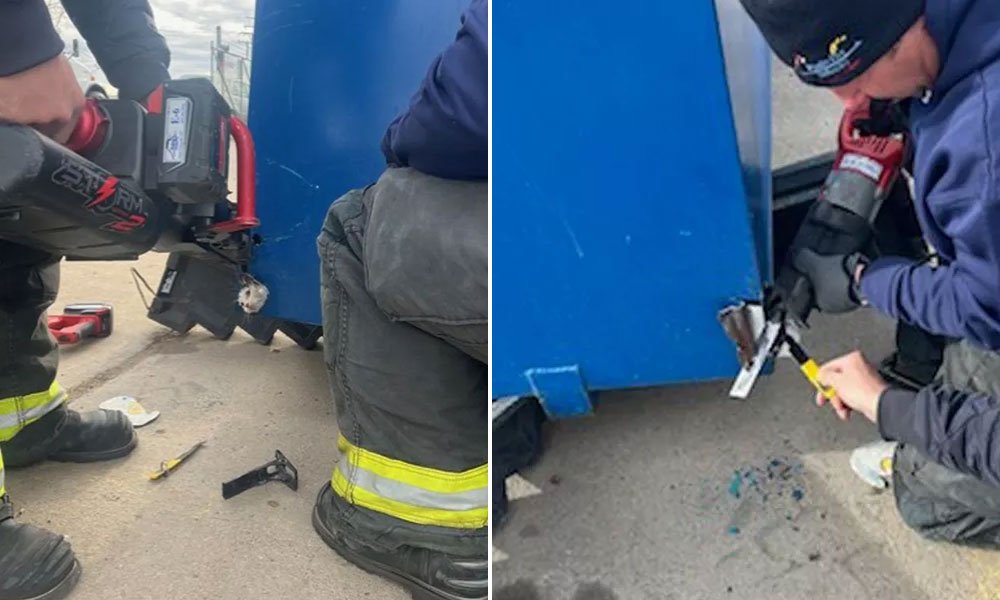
328, 78
631, 197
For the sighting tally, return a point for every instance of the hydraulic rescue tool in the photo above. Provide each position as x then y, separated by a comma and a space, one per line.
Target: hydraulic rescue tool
132, 178
138, 177
869, 160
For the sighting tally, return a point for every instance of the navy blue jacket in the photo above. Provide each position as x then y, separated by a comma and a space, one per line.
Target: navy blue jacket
445, 130
120, 33
957, 184
957, 175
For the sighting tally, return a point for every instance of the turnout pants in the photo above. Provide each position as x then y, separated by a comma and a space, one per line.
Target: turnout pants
938, 502
404, 293
29, 356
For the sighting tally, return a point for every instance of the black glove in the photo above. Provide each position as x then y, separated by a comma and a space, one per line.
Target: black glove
819, 271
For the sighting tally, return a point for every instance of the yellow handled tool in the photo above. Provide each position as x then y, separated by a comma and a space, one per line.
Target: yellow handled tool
809, 368
169, 465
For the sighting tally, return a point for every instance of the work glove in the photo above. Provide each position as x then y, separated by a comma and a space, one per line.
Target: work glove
819, 272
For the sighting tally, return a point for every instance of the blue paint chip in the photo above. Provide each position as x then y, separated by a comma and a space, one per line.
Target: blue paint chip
798, 494
736, 485
733, 530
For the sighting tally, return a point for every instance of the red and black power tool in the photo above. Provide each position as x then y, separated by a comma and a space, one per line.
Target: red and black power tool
134, 178
872, 149
81, 321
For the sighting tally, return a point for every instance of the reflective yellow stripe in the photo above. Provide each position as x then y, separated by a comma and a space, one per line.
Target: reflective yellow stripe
413, 493
15, 404
18, 411
464, 519
3, 488
432, 480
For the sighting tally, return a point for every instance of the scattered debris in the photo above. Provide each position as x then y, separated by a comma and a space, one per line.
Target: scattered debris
729, 589
798, 494
736, 485
279, 469
135, 412
814, 556
555, 479
733, 530
167, 466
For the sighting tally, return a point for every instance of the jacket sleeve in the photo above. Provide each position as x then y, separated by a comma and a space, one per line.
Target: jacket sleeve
123, 37
960, 299
444, 132
27, 37
960, 430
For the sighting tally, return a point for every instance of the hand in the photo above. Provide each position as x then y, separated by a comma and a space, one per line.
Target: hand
46, 97
857, 384
826, 252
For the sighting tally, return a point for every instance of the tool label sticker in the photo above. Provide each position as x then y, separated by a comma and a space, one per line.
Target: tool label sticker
168, 282
177, 118
862, 164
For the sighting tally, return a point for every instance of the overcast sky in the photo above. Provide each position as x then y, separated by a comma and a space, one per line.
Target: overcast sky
189, 26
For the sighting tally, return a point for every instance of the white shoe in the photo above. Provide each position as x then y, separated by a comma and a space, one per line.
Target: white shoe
873, 463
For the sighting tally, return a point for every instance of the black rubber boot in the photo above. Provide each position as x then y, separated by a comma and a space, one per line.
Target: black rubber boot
35, 564
68, 436
427, 574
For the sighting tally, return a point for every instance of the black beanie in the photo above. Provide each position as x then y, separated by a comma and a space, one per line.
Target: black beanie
830, 42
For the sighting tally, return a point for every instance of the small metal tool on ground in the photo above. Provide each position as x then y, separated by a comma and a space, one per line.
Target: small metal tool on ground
279, 469
167, 466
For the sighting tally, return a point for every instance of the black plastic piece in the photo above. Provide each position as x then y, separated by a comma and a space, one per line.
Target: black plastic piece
198, 290
263, 329
279, 469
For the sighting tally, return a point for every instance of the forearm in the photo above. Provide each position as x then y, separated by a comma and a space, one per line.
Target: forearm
939, 300
960, 430
27, 36
123, 37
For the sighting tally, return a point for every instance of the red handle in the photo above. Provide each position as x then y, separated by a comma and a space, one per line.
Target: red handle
246, 195
90, 129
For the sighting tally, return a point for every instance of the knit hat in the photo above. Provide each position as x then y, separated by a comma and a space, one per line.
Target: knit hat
830, 42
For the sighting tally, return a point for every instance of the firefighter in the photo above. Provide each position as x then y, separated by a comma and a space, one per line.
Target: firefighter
940, 59
38, 88
404, 294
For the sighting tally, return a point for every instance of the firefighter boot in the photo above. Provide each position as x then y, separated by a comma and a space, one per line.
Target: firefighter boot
35, 564
68, 436
426, 574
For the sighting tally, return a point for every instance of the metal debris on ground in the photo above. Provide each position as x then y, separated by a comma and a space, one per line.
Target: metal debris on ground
136, 413
279, 469
167, 466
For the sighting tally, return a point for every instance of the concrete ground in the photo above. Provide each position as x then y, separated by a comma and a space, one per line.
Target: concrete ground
178, 538
680, 493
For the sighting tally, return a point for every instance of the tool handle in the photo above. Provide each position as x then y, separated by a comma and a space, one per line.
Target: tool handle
246, 193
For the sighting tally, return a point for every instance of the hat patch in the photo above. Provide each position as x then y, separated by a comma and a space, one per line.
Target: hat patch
840, 60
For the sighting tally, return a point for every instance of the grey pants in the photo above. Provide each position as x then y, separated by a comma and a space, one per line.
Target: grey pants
405, 293
938, 502
29, 357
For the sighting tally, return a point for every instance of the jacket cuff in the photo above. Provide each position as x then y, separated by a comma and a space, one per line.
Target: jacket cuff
139, 80
895, 414
28, 39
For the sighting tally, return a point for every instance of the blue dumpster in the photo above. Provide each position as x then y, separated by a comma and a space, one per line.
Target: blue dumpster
328, 77
631, 197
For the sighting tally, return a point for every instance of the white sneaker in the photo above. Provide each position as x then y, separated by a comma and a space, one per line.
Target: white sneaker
873, 463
